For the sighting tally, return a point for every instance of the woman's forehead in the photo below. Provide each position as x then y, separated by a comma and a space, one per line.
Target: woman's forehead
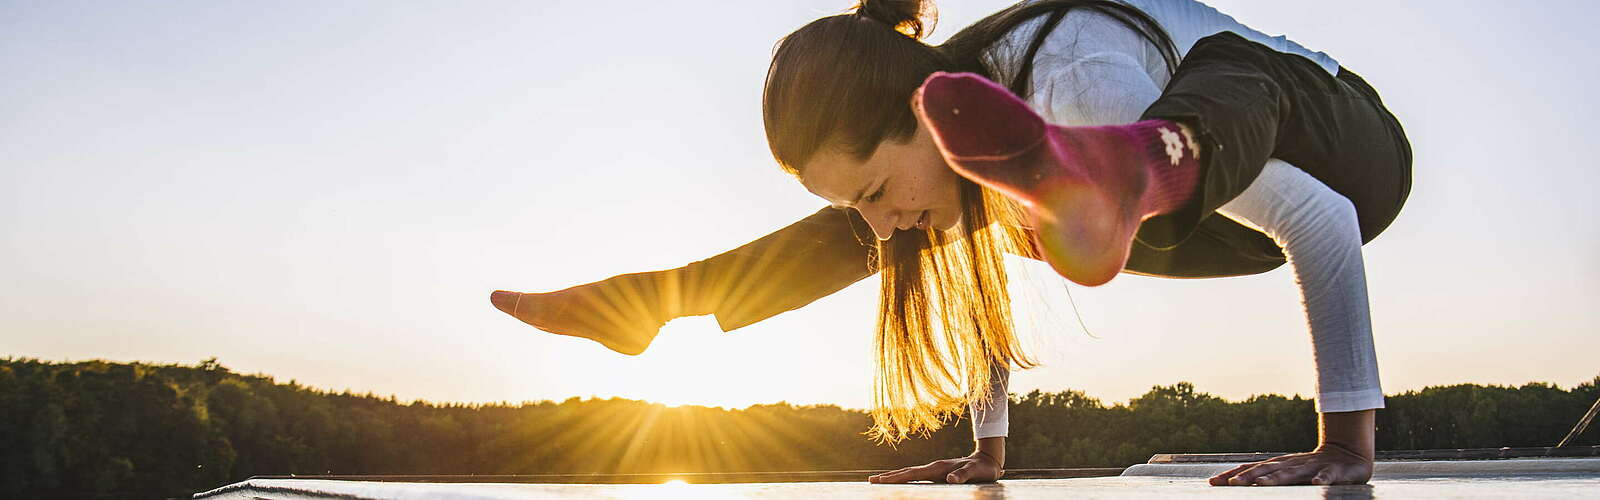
837, 176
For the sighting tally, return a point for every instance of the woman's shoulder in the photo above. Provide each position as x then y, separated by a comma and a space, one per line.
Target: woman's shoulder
1080, 32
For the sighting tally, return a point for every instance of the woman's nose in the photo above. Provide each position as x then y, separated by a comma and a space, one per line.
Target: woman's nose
882, 222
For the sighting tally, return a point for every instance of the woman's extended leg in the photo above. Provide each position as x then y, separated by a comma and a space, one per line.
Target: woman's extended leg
1243, 103
781, 271
1089, 188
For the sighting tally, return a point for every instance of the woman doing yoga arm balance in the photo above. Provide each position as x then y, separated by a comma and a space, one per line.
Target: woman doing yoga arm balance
1120, 130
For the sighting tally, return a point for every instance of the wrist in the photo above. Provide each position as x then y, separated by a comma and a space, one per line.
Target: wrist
1351, 432
994, 448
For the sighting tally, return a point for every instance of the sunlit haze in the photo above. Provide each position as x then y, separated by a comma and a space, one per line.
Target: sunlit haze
329, 191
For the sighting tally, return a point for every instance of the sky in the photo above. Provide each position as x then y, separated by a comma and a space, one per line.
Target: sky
328, 192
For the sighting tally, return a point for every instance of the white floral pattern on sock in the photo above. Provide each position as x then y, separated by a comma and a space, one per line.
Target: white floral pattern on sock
1174, 145
1188, 138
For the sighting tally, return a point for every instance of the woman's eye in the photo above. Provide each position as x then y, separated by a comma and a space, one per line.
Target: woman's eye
874, 196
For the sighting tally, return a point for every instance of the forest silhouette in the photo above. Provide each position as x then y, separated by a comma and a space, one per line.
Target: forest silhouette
94, 429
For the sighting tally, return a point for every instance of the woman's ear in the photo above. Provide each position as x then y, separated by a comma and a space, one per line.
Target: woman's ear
916, 107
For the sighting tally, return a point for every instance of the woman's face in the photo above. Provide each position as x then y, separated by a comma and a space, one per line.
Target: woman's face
903, 185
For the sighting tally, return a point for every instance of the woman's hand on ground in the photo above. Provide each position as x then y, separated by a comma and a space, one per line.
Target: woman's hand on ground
1328, 464
974, 468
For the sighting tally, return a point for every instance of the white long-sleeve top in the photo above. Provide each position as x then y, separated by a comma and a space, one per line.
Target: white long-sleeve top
1092, 70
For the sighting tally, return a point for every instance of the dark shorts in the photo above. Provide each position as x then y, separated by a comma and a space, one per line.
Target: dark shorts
1250, 103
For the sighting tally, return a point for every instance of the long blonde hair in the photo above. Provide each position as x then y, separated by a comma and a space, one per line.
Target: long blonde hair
944, 318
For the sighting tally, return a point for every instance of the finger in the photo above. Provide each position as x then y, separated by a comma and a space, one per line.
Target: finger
1272, 478
885, 478
1287, 475
882, 477
1248, 476
905, 475
962, 474
935, 471
879, 476
896, 477
1222, 479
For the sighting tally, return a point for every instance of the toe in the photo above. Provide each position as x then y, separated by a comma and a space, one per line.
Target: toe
505, 301
972, 116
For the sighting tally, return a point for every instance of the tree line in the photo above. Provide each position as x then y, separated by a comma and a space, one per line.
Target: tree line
98, 429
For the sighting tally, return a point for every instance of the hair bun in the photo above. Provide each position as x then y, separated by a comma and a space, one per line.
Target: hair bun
915, 18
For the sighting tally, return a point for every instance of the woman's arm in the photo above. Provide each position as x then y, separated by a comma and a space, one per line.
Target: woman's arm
1320, 234
990, 425
991, 418
991, 421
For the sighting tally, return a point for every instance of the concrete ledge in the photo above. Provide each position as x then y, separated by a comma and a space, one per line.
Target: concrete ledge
1516, 467
1107, 488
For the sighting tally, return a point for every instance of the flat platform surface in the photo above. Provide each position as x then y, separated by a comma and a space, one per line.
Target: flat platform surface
1100, 487
1549, 478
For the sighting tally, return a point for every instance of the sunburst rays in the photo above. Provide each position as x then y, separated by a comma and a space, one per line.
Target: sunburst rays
632, 437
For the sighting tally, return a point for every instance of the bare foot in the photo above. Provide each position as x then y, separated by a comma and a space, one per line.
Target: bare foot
1328, 464
623, 313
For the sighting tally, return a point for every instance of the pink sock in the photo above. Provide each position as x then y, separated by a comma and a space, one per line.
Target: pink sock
1088, 187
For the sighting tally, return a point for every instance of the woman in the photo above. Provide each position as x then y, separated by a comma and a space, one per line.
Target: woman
1153, 137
